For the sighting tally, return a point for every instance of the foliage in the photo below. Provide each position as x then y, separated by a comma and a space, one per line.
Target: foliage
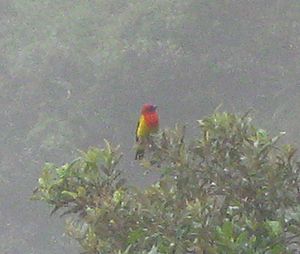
231, 190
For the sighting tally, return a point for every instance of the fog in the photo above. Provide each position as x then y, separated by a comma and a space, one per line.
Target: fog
73, 73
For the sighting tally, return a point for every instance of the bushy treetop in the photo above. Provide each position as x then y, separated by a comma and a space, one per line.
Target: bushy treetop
232, 189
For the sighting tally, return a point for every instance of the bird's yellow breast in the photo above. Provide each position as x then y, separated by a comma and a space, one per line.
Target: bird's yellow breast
143, 130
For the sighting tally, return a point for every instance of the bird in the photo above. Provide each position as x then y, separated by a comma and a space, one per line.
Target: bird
148, 124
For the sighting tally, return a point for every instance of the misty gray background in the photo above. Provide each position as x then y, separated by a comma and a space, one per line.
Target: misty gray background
75, 72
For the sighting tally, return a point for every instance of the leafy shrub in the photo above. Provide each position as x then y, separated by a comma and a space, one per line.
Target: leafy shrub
230, 190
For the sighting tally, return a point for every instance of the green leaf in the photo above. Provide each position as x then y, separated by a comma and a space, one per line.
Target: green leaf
276, 227
242, 238
68, 195
81, 191
227, 229
261, 134
118, 196
278, 249
135, 235
92, 156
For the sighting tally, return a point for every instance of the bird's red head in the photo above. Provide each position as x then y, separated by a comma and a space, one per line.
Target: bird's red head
148, 108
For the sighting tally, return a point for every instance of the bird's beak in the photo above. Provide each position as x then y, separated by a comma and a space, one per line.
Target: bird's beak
155, 107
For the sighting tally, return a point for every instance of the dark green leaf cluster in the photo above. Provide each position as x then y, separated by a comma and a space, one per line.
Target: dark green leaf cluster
230, 190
